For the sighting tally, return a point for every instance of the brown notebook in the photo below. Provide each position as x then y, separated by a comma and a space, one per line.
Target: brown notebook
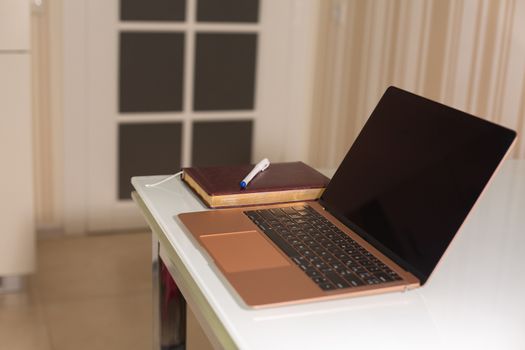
219, 186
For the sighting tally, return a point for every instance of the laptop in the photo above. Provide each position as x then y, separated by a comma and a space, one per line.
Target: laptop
385, 220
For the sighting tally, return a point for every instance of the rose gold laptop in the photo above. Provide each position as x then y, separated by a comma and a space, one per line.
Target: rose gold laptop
384, 221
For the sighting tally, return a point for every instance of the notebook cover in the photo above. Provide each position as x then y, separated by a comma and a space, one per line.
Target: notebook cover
225, 180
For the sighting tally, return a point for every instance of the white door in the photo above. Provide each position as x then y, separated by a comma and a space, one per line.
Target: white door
182, 83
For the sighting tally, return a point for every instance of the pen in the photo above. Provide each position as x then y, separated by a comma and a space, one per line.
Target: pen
261, 166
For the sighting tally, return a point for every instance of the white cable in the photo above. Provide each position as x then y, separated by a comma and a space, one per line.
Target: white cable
164, 180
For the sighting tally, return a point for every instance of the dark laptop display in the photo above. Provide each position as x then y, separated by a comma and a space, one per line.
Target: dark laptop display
412, 176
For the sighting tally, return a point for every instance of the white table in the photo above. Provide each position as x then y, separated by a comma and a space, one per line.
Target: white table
474, 300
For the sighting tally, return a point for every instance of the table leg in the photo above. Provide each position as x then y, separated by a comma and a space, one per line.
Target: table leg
169, 306
155, 266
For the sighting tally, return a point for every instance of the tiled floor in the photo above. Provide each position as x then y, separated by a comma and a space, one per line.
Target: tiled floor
90, 292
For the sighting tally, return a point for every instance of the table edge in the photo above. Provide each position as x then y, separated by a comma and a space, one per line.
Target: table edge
189, 288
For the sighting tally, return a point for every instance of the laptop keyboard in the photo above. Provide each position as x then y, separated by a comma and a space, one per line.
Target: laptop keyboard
328, 256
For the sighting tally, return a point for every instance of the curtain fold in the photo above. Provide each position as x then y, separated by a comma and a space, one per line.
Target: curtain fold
468, 54
46, 76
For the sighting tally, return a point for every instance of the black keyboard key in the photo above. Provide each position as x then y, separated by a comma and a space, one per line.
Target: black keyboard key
330, 259
368, 264
294, 241
342, 271
383, 277
276, 212
314, 259
358, 257
313, 272
374, 269
372, 280
266, 215
337, 280
306, 267
358, 269
321, 266
393, 275
280, 227
337, 266
310, 242
353, 280
308, 253
321, 240
299, 260
319, 280
251, 214
368, 255
381, 265
352, 264
342, 256
288, 210
365, 275
323, 254
300, 247
263, 225
318, 249
288, 236
327, 286
351, 251
281, 243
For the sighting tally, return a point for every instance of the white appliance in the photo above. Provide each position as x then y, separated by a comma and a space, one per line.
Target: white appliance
17, 229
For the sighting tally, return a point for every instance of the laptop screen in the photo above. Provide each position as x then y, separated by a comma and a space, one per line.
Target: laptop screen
412, 176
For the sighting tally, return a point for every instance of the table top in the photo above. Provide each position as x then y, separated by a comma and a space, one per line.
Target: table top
473, 300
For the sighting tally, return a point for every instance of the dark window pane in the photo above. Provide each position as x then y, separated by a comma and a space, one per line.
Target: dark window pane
151, 71
147, 149
228, 10
222, 143
152, 10
225, 71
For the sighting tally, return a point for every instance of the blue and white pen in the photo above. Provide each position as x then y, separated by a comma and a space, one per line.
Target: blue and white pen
261, 166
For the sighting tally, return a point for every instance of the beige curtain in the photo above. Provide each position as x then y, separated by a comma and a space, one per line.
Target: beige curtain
46, 75
467, 54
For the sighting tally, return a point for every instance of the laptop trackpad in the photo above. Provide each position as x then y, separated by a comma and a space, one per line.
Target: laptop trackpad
242, 251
